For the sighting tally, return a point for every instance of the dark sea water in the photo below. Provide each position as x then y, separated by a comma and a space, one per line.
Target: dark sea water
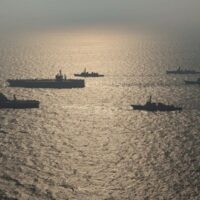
88, 144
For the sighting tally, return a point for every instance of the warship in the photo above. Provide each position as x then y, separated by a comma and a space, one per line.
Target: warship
17, 104
60, 81
180, 71
88, 74
153, 107
193, 82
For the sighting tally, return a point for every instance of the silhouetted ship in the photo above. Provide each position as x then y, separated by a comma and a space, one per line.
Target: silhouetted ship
150, 106
180, 71
17, 104
193, 82
89, 74
60, 81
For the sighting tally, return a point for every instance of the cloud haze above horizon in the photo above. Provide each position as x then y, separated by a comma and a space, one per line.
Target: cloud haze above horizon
44, 13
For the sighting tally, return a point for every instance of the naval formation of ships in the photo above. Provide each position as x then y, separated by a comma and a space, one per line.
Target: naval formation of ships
186, 71
60, 81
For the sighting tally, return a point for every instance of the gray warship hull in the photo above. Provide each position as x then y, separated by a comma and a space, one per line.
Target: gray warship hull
19, 105
192, 82
182, 72
155, 108
89, 75
46, 83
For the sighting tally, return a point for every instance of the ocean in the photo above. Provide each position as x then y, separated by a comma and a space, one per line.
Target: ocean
88, 144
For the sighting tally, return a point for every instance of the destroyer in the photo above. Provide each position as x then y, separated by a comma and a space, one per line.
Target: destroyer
193, 82
150, 106
17, 104
60, 81
89, 74
180, 71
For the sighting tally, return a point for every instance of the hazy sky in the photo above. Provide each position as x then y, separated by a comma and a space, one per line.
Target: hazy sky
90, 12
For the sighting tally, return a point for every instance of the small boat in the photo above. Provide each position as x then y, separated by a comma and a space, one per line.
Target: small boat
17, 104
180, 71
60, 81
197, 82
89, 74
153, 107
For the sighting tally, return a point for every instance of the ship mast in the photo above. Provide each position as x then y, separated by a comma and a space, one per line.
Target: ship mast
150, 99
